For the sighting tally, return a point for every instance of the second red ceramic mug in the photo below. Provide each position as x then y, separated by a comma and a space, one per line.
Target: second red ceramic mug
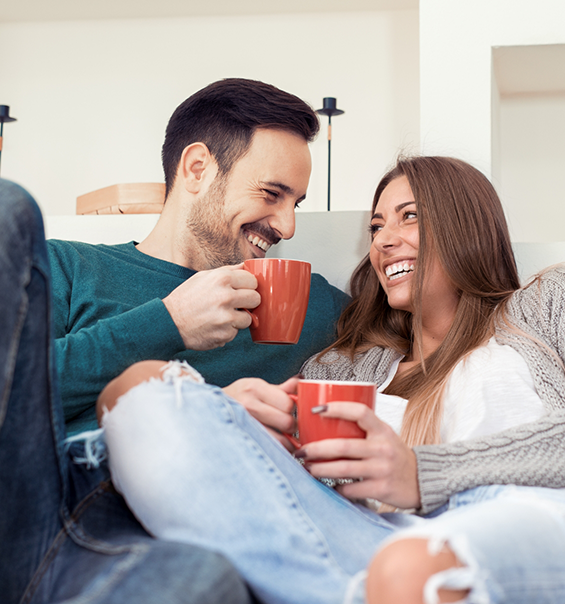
312, 393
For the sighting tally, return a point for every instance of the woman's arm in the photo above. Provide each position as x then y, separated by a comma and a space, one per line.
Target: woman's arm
425, 477
530, 455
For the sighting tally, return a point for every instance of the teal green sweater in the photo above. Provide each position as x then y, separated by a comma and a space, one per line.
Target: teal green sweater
108, 313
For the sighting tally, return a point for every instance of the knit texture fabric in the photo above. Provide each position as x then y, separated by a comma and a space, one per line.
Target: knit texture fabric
531, 454
108, 314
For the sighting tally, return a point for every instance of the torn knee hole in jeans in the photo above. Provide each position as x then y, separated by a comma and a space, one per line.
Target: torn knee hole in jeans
177, 372
466, 577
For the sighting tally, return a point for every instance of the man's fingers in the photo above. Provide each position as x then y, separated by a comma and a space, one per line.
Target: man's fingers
275, 396
265, 402
245, 298
241, 320
290, 385
242, 279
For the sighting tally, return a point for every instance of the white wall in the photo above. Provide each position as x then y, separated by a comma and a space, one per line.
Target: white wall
462, 114
532, 163
456, 42
93, 98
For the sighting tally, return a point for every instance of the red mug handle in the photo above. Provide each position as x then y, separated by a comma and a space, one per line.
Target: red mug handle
254, 319
295, 442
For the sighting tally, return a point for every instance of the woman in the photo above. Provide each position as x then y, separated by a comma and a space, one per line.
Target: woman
458, 350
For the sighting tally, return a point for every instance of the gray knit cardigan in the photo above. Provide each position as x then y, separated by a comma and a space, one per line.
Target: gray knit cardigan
531, 454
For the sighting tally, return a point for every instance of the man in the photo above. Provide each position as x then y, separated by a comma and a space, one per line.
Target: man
237, 164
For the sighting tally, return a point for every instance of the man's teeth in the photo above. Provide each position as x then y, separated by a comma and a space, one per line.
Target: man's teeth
259, 242
395, 271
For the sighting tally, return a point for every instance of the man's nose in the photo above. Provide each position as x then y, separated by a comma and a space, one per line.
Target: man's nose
284, 221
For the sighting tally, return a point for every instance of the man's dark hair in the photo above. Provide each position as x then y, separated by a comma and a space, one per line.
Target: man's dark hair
225, 115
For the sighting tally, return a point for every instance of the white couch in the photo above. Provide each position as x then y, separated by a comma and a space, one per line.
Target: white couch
334, 242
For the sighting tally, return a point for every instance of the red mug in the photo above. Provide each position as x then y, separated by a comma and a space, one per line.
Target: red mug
312, 393
284, 286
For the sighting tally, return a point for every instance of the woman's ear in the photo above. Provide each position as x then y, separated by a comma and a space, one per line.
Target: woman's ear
197, 168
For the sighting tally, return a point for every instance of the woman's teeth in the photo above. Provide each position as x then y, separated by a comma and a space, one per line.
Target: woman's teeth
395, 271
259, 242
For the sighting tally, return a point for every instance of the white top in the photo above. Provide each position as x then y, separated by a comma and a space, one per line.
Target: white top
488, 391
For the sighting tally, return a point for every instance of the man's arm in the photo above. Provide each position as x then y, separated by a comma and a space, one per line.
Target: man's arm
88, 359
108, 314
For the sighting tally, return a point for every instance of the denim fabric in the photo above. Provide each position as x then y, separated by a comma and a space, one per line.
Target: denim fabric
195, 467
198, 468
65, 534
510, 539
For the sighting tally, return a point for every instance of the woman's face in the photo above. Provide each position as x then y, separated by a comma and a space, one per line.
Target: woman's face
394, 252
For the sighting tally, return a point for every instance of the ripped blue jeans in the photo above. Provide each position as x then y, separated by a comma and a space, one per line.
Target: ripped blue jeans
195, 467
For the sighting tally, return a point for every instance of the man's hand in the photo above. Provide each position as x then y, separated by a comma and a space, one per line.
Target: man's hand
267, 403
387, 466
207, 307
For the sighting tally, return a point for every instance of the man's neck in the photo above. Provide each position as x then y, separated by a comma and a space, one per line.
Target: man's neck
167, 239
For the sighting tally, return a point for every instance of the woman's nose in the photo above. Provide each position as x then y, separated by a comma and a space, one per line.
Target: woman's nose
386, 238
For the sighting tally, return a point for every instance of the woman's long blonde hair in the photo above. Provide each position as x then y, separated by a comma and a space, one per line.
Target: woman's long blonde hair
461, 221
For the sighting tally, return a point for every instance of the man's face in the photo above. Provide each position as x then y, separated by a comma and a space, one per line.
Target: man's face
242, 214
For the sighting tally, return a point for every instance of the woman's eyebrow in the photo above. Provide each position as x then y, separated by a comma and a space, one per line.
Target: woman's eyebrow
396, 209
402, 205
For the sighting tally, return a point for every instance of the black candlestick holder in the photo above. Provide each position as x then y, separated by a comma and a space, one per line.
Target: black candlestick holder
329, 109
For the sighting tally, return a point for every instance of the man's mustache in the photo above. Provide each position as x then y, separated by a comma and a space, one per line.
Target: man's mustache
264, 231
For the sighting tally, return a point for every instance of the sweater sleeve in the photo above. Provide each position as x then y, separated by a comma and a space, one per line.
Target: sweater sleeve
529, 455
88, 359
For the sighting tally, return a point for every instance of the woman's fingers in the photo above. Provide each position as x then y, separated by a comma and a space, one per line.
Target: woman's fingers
356, 412
386, 465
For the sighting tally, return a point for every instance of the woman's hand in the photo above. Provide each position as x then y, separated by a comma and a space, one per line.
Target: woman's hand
267, 403
386, 465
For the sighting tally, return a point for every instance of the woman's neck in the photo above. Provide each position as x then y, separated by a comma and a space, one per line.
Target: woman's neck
433, 333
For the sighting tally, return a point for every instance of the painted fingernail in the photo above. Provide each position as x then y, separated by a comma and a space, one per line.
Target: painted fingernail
319, 409
300, 453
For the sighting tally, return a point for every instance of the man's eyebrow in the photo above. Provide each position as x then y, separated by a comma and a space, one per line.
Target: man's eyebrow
284, 188
396, 209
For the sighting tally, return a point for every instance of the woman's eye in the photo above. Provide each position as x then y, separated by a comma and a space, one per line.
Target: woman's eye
270, 193
410, 215
374, 229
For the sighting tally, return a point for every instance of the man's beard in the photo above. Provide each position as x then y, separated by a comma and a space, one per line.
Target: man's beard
208, 225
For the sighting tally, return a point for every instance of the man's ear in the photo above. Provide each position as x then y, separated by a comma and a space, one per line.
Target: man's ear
197, 168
